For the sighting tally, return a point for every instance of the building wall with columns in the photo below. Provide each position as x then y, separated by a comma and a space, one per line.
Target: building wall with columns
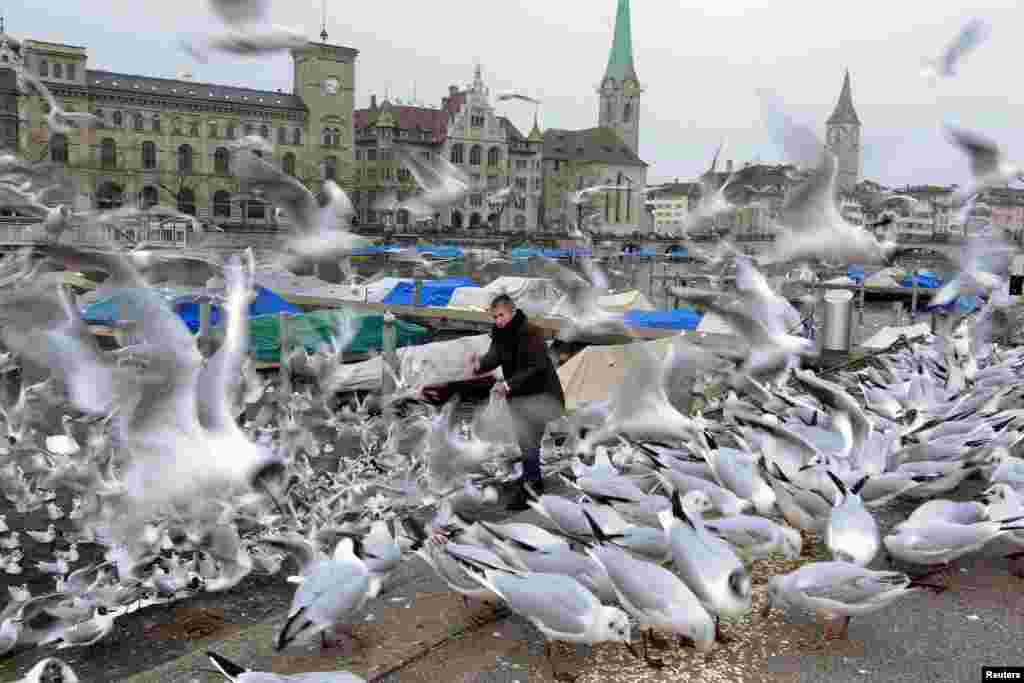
170, 141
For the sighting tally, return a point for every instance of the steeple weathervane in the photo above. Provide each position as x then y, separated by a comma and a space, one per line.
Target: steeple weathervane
323, 20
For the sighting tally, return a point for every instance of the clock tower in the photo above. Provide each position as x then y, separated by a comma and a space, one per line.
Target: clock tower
843, 139
324, 77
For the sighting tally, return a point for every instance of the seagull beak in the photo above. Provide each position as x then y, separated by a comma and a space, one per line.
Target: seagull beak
632, 649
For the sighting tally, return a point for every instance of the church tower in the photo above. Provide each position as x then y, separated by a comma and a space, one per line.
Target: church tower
843, 139
620, 89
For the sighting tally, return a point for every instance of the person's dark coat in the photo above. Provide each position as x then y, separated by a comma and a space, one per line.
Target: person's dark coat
522, 353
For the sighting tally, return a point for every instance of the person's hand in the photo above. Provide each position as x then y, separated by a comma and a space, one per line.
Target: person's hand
501, 389
474, 363
431, 393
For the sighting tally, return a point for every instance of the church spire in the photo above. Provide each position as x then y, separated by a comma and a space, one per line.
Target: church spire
844, 111
620, 61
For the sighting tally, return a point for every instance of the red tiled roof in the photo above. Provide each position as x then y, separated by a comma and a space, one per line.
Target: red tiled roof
408, 118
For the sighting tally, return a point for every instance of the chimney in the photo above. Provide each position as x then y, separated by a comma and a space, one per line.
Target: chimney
728, 166
373, 101
453, 90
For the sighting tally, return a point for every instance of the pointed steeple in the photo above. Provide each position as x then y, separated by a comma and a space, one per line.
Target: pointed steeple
620, 61
844, 111
535, 134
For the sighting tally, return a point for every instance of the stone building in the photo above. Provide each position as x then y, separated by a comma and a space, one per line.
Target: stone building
465, 130
670, 206
843, 139
169, 141
10, 52
605, 155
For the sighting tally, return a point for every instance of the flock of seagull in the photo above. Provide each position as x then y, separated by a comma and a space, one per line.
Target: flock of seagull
187, 473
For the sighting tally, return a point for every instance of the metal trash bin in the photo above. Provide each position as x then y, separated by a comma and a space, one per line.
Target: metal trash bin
838, 320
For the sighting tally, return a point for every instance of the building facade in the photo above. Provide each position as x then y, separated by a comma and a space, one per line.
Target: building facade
170, 141
670, 205
10, 52
605, 155
467, 131
843, 139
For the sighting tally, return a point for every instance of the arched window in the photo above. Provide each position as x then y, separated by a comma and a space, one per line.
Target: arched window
222, 161
109, 196
59, 148
58, 70
222, 204
102, 121
288, 164
148, 155
118, 119
187, 201
193, 129
150, 196
475, 152
402, 217
137, 120
456, 220
330, 168
474, 220
108, 153
254, 208
520, 221
627, 112
185, 159
44, 68
327, 137
296, 136
265, 132
609, 110
493, 156
156, 123
282, 136
457, 152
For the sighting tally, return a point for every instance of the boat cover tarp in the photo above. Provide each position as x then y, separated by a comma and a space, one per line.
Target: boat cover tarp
436, 293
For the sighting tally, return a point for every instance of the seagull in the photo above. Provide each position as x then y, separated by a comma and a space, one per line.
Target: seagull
443, 184
559, 606
239, 674
970, 36
506, 96
989, 167
50, 669
249, 42
839, 589
240, 12
852, 532
58, 120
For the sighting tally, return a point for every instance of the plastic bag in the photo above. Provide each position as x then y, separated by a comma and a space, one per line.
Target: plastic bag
495, 423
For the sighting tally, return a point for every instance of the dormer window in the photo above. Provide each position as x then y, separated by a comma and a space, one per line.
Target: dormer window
44, 68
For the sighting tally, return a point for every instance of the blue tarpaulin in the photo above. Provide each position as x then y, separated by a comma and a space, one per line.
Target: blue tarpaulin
265, 303
856, 273
677, 319
553, 253
376, 249
645, 251
679, 252
435, 292
118, 306
441, 250
925, 280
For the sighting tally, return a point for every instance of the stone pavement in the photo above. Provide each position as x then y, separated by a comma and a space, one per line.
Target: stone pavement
420, 632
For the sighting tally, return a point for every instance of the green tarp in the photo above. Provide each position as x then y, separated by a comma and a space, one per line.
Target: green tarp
316, 328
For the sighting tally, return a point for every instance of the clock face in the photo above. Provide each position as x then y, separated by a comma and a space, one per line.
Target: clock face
330, 86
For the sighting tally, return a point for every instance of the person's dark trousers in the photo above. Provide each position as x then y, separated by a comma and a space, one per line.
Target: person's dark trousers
529, 446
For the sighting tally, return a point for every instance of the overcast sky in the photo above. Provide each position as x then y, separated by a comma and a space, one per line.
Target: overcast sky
700, 66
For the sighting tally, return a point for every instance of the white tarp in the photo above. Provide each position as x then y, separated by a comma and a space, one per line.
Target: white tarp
714, 324
622, 302
887, 277
887, 336
424, 365
536, 296
285, 283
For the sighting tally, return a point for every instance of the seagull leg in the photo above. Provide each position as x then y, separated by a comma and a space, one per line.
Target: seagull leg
563, 676
719, 636
1016, 567
651, 662
658, 641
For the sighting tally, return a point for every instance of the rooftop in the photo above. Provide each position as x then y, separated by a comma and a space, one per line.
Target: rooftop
405, 117
210, 92
844, 111
600, 145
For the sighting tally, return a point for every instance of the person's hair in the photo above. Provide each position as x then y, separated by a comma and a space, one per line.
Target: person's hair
503, 300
